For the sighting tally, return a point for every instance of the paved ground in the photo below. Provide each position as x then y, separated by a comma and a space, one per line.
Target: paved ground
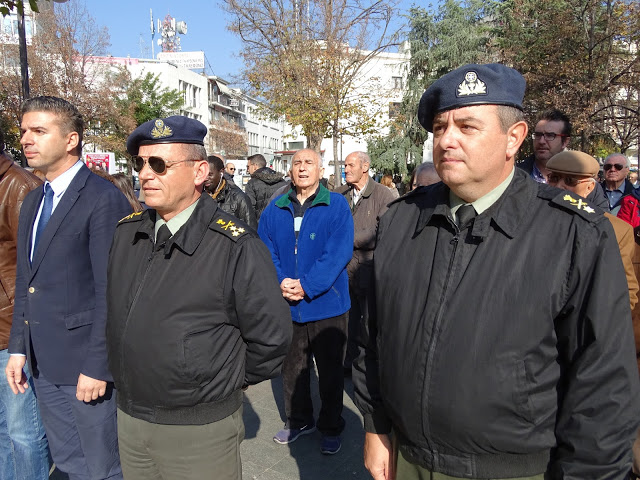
262, 459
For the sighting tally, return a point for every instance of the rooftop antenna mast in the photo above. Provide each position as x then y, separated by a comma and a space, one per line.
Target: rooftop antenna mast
169, 30
153, 33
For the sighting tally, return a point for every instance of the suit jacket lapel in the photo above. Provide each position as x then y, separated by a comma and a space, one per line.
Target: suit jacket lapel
67, 201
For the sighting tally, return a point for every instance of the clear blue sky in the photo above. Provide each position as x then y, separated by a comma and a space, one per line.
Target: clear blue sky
129, 23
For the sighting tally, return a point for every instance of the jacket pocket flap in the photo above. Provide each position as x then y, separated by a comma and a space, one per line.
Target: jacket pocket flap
79, 319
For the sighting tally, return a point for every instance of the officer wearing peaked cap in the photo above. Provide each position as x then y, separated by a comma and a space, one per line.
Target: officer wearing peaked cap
184, 333
494, 355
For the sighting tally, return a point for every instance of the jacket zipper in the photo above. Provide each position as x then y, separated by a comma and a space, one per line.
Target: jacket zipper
295, 253
436, 325
133, 303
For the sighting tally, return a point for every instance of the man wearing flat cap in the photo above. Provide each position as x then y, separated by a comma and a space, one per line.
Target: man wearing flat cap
184, 333
576, 172
495, 354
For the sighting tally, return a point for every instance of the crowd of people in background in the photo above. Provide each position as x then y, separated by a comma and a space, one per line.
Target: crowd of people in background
486, 310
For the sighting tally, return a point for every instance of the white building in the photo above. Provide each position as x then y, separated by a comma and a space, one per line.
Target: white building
194, 87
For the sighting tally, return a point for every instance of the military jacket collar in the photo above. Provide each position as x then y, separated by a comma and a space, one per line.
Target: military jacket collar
507, 212
189, 236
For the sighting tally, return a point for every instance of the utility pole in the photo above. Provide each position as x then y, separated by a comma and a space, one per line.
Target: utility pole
22, 45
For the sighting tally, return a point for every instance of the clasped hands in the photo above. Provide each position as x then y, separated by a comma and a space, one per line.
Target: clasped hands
292, 290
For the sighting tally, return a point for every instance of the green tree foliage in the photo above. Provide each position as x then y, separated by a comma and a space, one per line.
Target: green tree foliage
458, 32
147, 99
580, 56
136, 100
6, 6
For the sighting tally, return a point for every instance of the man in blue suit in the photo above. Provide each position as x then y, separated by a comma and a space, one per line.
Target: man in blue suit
64, 235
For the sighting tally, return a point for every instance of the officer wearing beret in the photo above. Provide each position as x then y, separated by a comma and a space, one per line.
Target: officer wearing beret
576, 172
491, 352
184, 333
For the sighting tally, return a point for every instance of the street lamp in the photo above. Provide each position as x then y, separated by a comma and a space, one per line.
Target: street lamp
22, 45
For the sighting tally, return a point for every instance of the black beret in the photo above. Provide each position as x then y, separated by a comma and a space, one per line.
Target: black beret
175, 129
472, 84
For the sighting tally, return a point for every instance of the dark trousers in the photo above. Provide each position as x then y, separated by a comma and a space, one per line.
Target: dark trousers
358, 315
83, 437
325, 340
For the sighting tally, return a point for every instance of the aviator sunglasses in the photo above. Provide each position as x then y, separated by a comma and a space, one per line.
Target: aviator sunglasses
158, 164
609, 166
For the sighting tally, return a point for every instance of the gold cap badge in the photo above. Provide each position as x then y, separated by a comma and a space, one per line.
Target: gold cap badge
160, 130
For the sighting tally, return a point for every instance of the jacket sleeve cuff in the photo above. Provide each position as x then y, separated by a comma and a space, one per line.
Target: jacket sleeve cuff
377, 422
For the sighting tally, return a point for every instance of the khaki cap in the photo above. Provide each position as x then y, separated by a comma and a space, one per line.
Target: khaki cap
572, 162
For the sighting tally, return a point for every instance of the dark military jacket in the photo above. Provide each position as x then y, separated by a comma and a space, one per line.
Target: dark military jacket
191, 323
505, 349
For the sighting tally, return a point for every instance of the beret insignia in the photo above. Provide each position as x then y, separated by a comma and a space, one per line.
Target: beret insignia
580, 204
471, 85
160, 130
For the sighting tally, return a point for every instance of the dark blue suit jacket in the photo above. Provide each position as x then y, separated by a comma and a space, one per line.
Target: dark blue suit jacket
60, 306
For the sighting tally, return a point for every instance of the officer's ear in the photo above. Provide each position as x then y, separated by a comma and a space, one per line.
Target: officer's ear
201, 170
515, 136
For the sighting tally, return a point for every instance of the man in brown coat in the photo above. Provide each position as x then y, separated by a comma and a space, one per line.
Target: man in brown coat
576, 172
368, 201
23, 445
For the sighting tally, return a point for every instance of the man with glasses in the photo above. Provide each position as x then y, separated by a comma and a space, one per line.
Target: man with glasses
185, 334
576, 172
615, 184
551, 136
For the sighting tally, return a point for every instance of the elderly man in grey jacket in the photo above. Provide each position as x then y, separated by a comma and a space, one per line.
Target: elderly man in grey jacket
368, 201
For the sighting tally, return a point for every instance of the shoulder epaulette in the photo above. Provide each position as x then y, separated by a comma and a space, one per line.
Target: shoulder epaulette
577, 204
229, 226
134, 217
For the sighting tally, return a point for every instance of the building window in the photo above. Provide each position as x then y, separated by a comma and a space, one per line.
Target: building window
397, 83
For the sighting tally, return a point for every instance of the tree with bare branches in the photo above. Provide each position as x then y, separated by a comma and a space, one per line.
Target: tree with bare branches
228, 139
305, 58
59, 65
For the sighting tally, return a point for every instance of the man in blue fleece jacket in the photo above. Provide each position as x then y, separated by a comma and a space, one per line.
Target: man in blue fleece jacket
309, 232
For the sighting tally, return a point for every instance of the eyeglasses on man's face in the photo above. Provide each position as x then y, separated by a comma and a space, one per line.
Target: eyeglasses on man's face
158, 164
548, 136
609, 166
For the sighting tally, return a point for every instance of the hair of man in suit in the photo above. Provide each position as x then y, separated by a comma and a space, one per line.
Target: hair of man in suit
70, 118
258, 160
555, 115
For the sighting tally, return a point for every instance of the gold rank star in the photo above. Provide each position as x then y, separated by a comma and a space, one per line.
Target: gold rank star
236, 231
579, 204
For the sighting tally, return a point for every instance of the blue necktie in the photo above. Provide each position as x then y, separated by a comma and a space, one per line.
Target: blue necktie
45, 215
